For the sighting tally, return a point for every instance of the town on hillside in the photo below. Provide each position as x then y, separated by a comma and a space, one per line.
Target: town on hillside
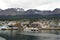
31, 25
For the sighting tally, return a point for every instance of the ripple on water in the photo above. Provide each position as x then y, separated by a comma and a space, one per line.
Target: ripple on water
2, 38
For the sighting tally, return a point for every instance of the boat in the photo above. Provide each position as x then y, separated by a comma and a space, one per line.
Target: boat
6, 27
30, 29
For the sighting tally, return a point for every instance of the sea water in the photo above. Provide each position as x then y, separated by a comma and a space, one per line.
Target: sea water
15, 35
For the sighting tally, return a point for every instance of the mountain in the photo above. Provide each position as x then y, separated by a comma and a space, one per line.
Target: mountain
34, 11
12, 11
19, 13
56, 11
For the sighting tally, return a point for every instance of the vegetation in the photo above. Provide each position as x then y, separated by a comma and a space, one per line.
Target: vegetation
19, 17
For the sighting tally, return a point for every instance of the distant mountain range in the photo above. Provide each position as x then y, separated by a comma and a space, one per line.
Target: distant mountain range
19, 13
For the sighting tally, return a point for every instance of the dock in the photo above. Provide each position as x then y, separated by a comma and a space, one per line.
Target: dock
49, 28
9, 29
38, 28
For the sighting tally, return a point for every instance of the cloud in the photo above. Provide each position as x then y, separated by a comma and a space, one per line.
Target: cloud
50, 6
28, 4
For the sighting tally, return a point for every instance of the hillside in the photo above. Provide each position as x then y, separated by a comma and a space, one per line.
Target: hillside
20, 13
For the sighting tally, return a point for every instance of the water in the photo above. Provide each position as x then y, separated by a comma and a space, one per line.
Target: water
14, 35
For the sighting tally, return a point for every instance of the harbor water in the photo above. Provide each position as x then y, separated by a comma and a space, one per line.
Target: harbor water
15, 35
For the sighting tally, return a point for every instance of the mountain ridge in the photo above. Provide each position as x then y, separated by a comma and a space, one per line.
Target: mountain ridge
18, 13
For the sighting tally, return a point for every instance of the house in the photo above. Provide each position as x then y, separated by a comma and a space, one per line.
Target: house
25, 24
14, 23
35, 24
53, 24
44, 24
40, 24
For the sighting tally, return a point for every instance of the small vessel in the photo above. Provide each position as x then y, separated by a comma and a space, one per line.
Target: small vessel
30, 29
6, 27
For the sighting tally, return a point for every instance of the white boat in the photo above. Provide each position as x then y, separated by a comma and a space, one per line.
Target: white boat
6, 27
13, 27
30, 29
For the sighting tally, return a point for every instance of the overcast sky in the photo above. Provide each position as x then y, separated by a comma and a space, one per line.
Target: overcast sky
30, 4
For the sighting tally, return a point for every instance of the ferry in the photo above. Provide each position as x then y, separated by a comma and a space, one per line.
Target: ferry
31, 29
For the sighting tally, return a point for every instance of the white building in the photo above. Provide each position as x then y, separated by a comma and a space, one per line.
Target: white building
25, 24
41, 24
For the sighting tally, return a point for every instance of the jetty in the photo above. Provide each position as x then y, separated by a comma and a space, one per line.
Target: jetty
49, 28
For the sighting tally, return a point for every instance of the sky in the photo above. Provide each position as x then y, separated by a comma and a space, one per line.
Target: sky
30, 4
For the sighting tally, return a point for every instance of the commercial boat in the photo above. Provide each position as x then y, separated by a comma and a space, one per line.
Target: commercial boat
30, 29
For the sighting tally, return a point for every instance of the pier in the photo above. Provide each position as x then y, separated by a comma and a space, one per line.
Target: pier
49, 28
38, 28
